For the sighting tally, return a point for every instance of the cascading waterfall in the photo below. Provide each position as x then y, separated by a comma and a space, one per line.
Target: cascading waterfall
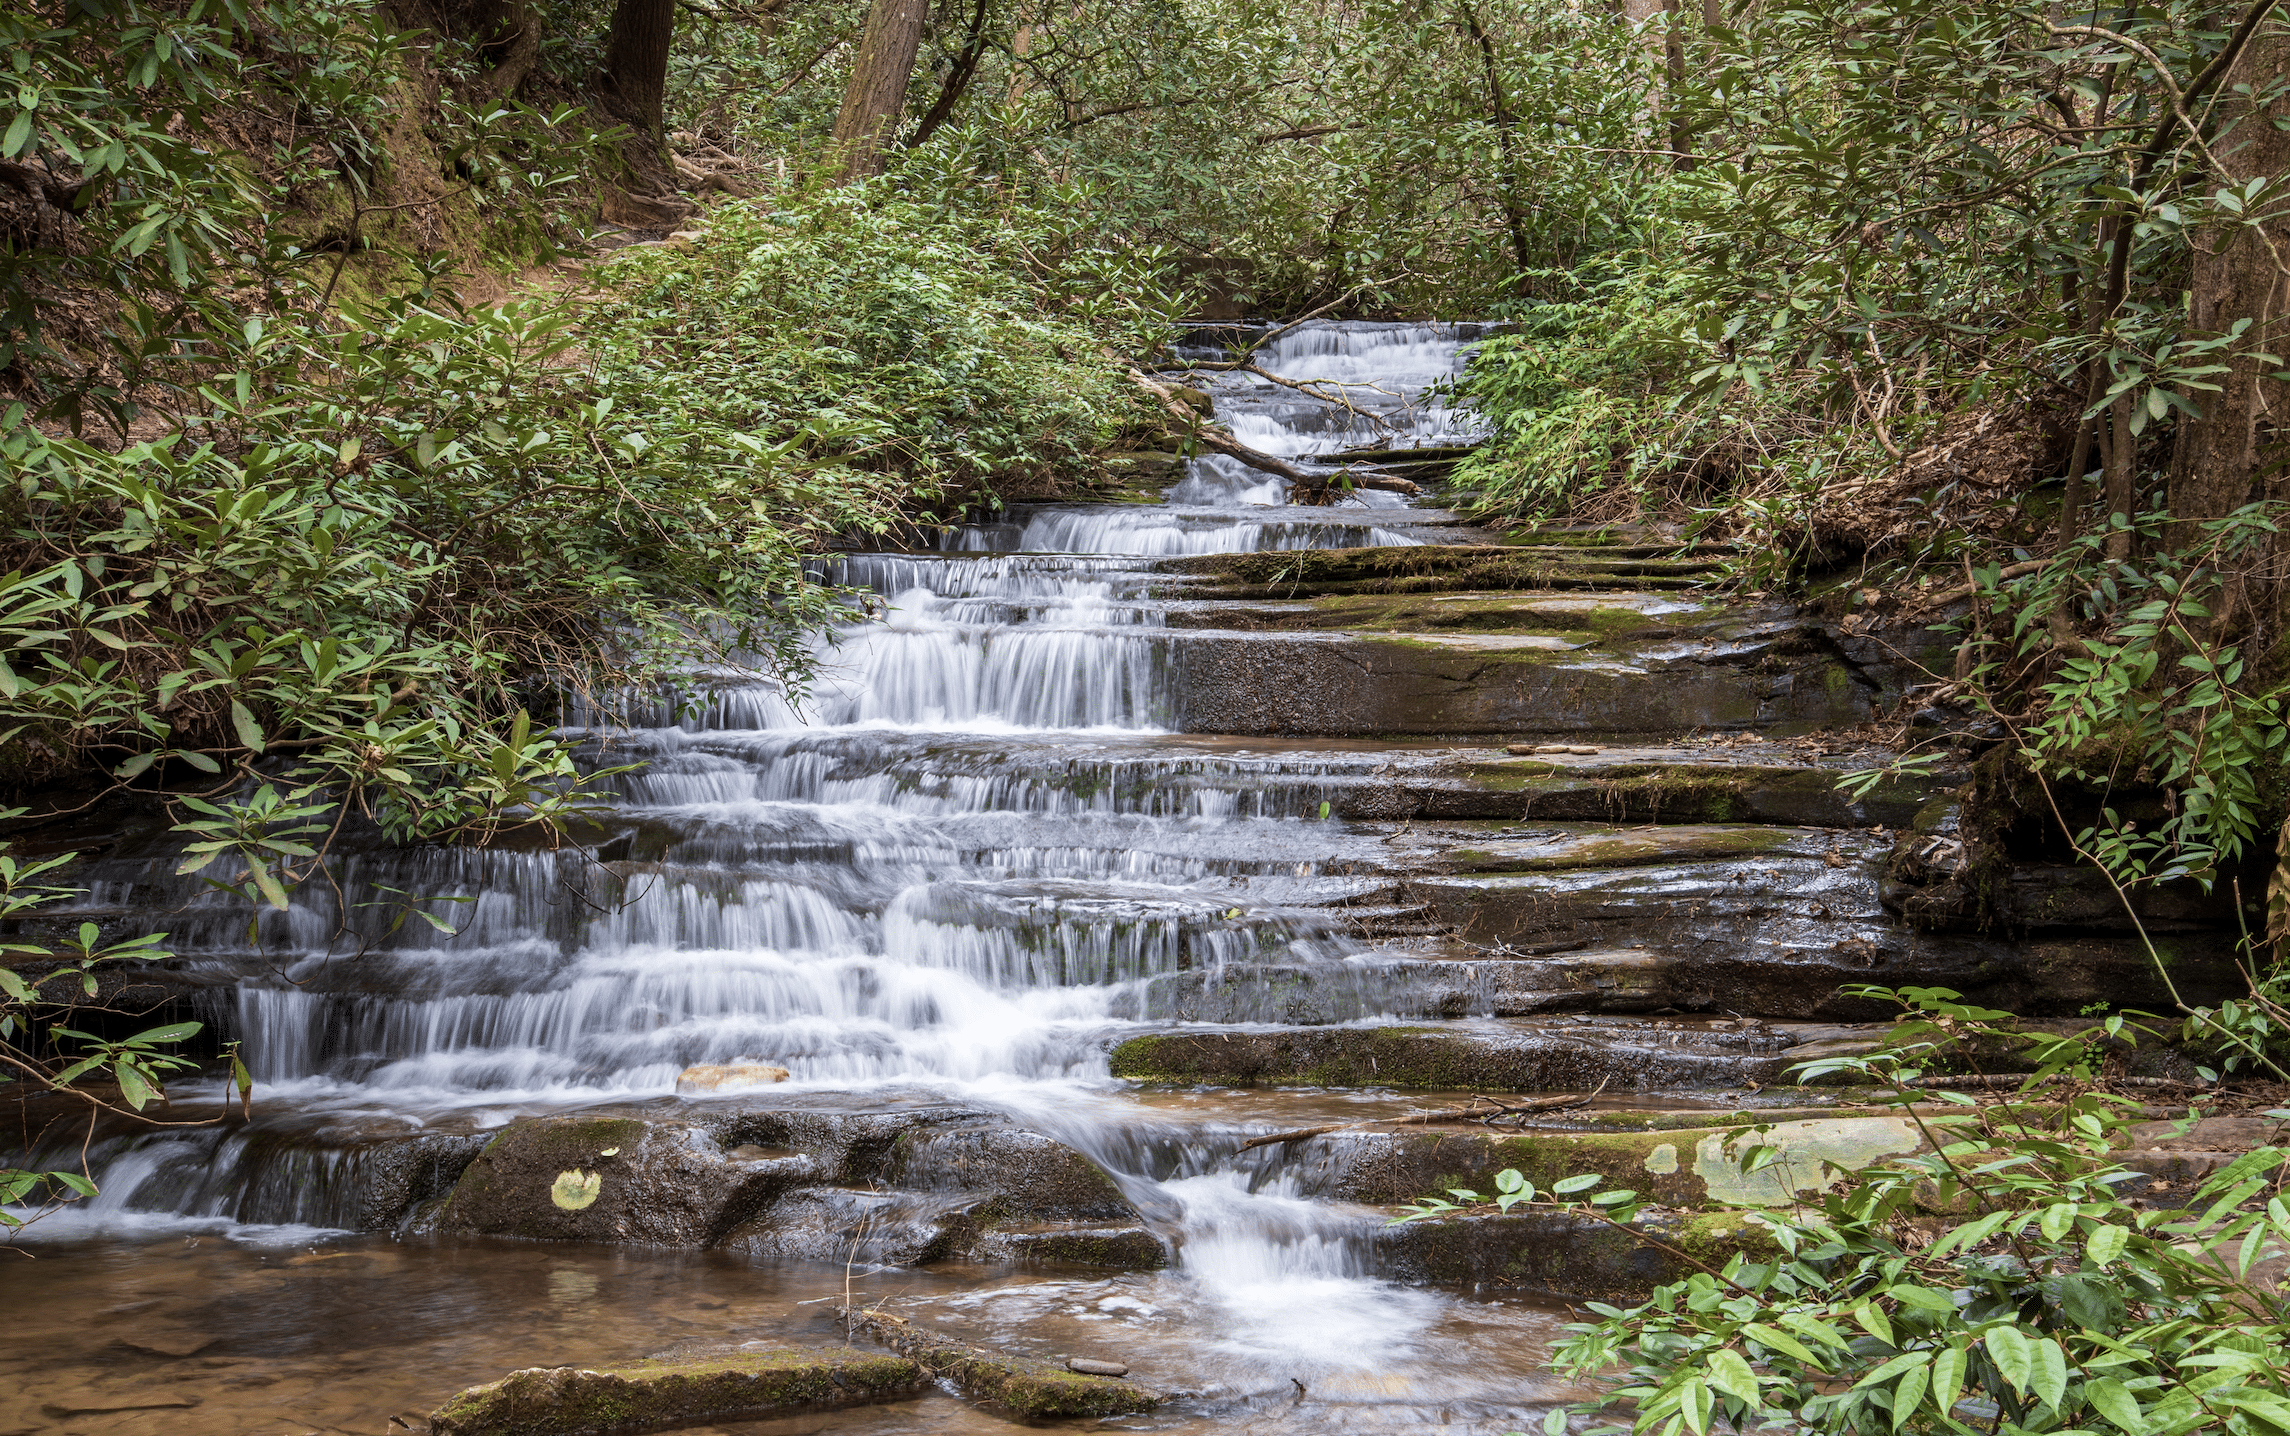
968, 853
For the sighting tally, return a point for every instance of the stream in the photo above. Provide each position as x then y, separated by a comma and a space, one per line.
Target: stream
976, 854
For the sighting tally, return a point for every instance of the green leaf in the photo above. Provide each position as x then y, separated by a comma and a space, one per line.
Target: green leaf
1694, 1404
2049, 1377
249, 731
1730, 1374
1581, 1182
175, 1032
2106, 1244
2012, 1355
131, 1084
1875, 1322
269, 885
1947, 1379
2111, 1399
1909, 1395
1781, 1341
19, 134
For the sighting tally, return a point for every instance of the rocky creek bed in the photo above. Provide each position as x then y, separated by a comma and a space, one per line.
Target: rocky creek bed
1134, 834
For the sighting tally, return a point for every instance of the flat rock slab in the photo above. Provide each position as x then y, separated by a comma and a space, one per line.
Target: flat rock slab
1031, 1388
1484, 1056
1561, 1256
661, 1396
1684, 1168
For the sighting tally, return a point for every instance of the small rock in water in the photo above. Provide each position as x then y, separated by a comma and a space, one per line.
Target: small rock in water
728, 1076
1522, 750
1088, 1367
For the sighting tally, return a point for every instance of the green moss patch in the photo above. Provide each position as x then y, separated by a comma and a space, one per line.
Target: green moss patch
1032, 1388
660, 1396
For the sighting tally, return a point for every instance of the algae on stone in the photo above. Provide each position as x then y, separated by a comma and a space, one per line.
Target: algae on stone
663, 1395
1031, 1388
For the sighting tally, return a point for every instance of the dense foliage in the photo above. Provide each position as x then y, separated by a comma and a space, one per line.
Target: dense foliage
1999, 1280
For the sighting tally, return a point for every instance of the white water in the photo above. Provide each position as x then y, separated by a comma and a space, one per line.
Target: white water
956, 865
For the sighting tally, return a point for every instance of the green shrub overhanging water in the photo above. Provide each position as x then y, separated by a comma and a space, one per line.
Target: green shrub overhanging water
361, 575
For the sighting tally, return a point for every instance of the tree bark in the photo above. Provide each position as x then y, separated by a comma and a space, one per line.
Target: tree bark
1506, 137
877, 94
958, 78
2122, 468
1674, 67
2230, 456
636, 64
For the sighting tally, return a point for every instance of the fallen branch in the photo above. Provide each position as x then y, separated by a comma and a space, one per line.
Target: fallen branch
1425, 1119
1224, 443
2010, 571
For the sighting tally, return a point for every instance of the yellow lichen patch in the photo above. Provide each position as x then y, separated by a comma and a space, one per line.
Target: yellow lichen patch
1808, 1152
576, 1189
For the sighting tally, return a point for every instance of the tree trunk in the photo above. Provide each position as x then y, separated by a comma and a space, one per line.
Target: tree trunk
958, 78
2229, 457
877, 96
1674, 66
636, 64
1506, 138
2122, 469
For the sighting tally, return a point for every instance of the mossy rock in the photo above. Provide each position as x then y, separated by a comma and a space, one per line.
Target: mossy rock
1563, 1256
611, 1179
663, 1395
1685, 1169
1484, 1059
1034, 1389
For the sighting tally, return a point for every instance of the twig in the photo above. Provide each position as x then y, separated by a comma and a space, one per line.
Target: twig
1425, 1119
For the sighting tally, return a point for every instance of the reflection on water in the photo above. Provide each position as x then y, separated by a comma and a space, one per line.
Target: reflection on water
196, 1334
968, 860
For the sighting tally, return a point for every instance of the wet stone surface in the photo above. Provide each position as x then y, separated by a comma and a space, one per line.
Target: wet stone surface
1126, 835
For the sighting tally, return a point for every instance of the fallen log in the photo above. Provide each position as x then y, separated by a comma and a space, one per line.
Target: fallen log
1301, 482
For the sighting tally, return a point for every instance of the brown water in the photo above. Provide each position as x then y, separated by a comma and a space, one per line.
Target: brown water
199, 1334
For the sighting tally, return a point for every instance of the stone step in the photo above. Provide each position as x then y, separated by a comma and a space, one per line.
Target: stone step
1425, 569
1520, 1055
1772, 674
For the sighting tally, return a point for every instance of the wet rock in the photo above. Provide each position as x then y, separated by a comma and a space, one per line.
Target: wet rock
1748, 675
1131, 1247
1564, 1257
654, 1183
1025, 1174
1032, 1388
1686, 1168
396, 1179
1088, 1367
659, 1396
1782, 926
728, 1077
1484, 1056
1651, 785
899, 1188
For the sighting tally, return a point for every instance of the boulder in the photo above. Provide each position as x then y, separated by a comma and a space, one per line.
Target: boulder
663, 1395
612, 1179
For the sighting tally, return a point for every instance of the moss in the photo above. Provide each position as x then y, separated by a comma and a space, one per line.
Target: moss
1715, 1238
1034, 1389
652, 1395
506, 1190
1617, 850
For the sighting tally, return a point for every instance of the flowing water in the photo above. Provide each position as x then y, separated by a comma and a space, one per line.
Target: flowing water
978, 852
